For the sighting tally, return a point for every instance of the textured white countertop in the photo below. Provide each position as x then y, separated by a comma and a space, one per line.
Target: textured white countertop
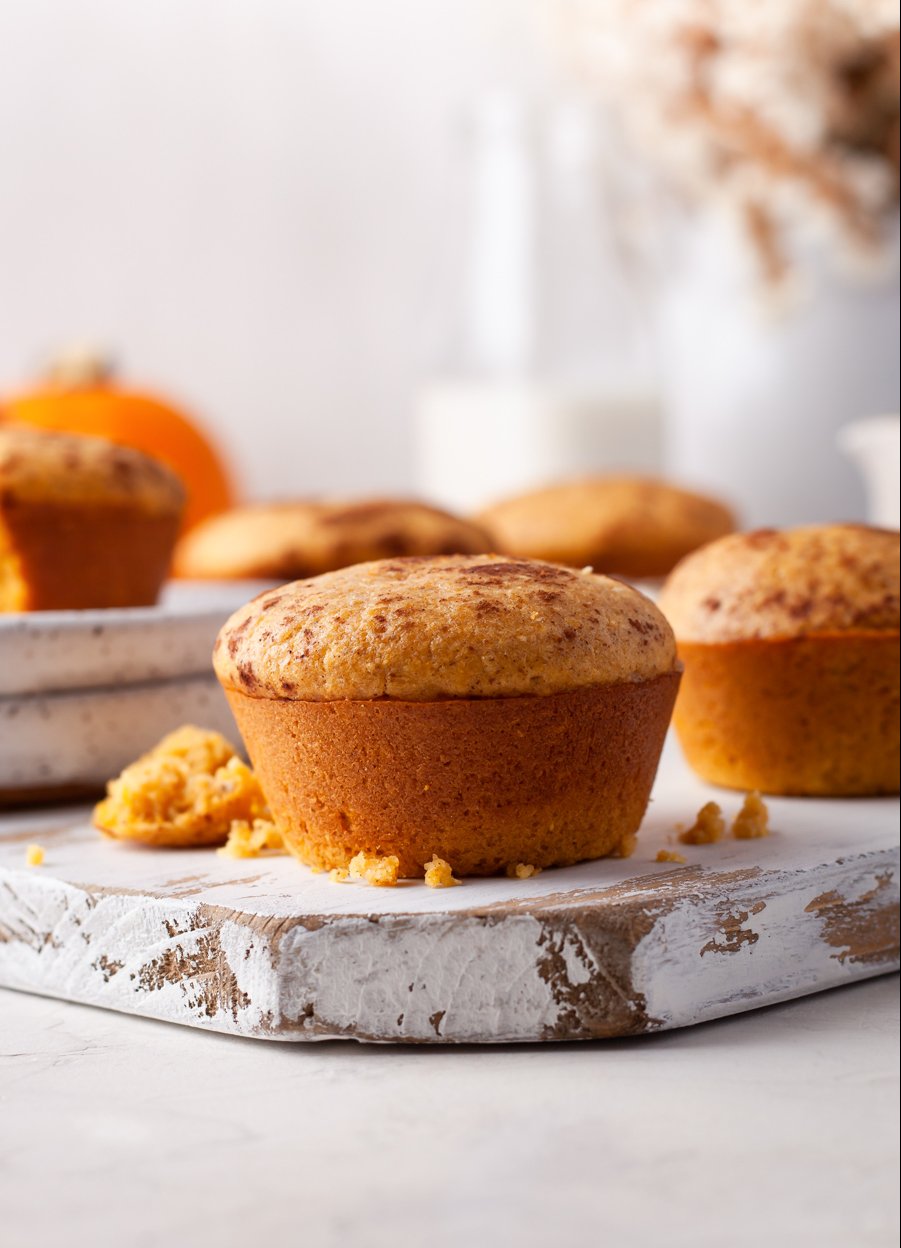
774, 1127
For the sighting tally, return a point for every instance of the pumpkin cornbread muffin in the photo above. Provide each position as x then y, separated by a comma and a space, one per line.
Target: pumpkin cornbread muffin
83, 522
790, 644
286, 541
474, 709
629, 526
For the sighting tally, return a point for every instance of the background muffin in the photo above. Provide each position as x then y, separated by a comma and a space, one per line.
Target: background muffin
287, 541
83, 522
631, 526
790, 644
484, 710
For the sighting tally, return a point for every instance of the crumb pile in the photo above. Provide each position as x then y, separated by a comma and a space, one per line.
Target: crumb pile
753, 820
751, 823
375, 869
522, 871
708, 828
438, 873
251, 840
187, 791
669, 855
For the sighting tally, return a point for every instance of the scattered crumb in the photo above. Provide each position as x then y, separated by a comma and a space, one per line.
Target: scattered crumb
709, 827
753, 820
669, 855
250, 840
338, 874
626, 847
34, 856
438, 874
378, 871
522, 870
187, 791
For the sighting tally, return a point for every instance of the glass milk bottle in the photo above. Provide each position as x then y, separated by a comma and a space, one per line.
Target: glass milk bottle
546, 374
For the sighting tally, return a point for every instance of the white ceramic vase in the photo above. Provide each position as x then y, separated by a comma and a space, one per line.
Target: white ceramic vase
754, 394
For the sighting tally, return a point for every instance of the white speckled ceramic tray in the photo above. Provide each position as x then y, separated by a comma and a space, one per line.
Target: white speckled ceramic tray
48, 651
83, 693
80, 738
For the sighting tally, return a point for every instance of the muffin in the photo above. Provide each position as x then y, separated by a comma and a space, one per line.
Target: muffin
790, 646
83, 522
287, 541
479, 710
628, 526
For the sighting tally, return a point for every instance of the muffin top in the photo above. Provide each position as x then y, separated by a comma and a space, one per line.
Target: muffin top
422, 629
285, 541
40, 466
819, 579
633, 526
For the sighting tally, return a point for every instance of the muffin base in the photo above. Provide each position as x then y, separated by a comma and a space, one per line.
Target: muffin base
481, 783
814, 716
77, 556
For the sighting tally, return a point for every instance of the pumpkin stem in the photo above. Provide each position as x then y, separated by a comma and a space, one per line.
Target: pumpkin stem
80, 367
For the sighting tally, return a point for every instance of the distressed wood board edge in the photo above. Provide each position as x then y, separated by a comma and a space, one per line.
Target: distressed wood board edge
653, 953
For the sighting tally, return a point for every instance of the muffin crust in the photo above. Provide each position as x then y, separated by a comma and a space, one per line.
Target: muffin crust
287, 541
43, 467
451, 627
633, 526
820, 579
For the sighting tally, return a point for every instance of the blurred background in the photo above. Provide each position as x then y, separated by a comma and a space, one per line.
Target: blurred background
454, 247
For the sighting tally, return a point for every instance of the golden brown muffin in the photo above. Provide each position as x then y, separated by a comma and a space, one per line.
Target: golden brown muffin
287, 541
628, 526
482, 710
790, 644
83, 522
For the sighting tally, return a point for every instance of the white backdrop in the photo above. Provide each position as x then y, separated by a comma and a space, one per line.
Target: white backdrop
246, 200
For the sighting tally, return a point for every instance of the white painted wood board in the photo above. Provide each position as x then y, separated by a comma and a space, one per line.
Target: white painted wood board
266, 948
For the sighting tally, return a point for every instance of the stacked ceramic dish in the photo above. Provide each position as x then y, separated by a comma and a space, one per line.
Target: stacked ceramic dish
83, 693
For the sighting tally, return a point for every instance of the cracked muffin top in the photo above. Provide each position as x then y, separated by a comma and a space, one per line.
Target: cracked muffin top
422, 629
40, 466
770, 583
284, 541
629, 526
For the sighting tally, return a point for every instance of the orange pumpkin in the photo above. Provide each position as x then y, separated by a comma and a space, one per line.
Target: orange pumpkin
80, 395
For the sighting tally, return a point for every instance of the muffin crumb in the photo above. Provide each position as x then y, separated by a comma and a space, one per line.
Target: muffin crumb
187, 791
380, 871
338, 875
34, 856
626, 847
753, 820
522, 870
438, 874
708, 828
251, 840
669, 855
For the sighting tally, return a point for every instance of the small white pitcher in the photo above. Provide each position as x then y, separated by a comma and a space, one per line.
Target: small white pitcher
874, 445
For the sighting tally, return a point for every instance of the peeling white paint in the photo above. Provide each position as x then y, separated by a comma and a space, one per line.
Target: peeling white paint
265, 948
